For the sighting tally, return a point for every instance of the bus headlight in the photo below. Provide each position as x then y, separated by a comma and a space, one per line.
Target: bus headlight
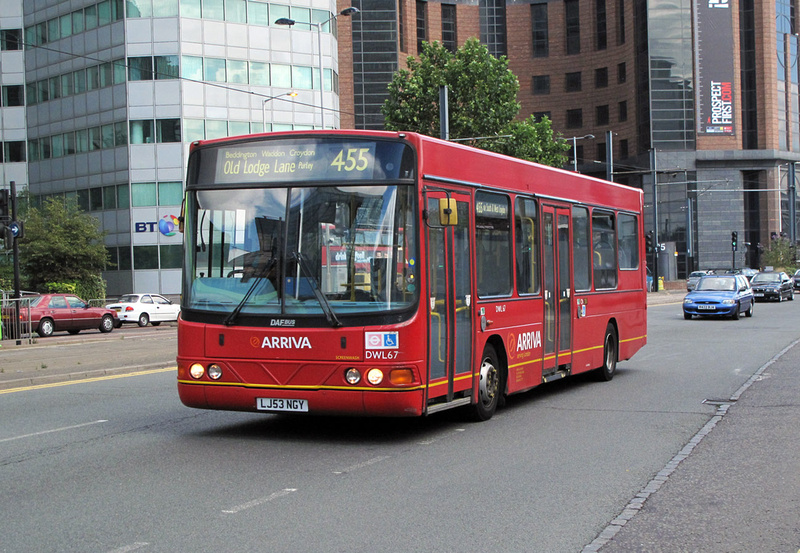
214, 372
197, 370
352, 376
375, 376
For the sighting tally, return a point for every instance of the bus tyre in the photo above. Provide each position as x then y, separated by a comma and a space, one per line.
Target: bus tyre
610, 354
489, 386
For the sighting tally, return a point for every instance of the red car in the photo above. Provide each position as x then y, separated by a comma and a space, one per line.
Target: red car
50, 313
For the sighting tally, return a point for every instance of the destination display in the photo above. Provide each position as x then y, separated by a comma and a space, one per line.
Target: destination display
303, 160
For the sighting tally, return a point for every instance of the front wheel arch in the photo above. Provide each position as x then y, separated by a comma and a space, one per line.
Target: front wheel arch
491, 384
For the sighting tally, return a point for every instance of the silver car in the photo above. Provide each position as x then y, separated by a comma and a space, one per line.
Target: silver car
694, 276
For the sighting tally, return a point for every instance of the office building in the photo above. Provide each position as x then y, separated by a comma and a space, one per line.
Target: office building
115, 91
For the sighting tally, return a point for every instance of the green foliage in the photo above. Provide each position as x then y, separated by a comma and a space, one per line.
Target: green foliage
87, 289
482, 102
62, 244
781, 255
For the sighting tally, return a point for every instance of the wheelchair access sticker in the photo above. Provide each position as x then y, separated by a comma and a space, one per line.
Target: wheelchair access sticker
381, 340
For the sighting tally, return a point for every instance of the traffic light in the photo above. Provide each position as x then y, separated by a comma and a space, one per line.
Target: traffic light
734, 240
5, 205
648, 240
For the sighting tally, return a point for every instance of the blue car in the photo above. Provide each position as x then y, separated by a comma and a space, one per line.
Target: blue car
720, 295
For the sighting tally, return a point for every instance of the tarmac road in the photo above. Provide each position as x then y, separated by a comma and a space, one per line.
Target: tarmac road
732, 488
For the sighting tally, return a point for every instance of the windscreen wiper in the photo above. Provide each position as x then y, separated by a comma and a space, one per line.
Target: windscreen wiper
323, 301
257, 279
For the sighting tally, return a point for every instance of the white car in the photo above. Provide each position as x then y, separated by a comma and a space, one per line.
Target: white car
145, 308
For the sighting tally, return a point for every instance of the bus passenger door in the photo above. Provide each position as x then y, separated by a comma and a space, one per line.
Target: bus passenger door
449, 293
557, 291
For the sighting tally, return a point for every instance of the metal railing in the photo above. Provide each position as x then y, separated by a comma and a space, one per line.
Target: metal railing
16, 319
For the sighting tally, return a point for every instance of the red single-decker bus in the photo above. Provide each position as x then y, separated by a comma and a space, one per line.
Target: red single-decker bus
393, 274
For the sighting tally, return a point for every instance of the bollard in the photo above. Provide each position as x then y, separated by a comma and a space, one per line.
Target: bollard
660, 284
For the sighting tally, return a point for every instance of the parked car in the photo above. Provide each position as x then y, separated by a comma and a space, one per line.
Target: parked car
692, 279
772, 285
145, 308
721, 295
50, 313
796, 279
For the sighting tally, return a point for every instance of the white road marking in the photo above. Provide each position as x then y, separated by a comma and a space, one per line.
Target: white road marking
361, 465
257, 502
131, 547
43, 432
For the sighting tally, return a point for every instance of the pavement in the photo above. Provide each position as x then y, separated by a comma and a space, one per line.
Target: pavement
734, 487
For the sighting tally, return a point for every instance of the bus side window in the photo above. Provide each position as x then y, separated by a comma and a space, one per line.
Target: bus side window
493, 244
604, 242
581, 248
526, 246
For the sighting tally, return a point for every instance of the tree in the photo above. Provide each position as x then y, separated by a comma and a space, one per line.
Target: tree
63, 249
482, 94
781, 254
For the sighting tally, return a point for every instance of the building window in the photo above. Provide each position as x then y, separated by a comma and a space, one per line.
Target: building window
601, 115
145, 257
541, 115
601, 77
622, 73
541, 84
13, 95
143, 194
142, 132
171, 256
401, 24
574, 118
620, 21
214, 70
600, 24
13, 151
541, 46
168, 130
449, 37
572, 82
623, 110
167, 67
170, 193
140, 69
422, 23
573, 27
622, 150
600, 153
11, 39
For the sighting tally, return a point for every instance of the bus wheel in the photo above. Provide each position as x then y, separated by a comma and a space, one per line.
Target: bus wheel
610, 353
489, 387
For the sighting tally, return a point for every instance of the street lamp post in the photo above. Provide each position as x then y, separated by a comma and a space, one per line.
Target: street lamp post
575, 149
289, 22
291, 94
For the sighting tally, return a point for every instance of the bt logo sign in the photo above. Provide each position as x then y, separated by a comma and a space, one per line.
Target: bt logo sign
167, 225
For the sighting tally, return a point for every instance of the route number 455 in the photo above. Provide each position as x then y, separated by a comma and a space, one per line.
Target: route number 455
352, 159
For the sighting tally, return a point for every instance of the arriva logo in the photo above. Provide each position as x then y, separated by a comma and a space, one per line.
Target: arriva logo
282, 342
524, 342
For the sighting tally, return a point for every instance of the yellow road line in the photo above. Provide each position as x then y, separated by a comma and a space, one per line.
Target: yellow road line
87, 380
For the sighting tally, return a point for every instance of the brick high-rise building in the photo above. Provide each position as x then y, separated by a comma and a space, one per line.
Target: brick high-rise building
700, 95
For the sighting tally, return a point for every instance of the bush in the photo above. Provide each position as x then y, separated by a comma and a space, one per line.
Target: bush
87, 289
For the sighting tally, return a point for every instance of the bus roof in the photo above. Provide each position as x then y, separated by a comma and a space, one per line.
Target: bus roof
444, 161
